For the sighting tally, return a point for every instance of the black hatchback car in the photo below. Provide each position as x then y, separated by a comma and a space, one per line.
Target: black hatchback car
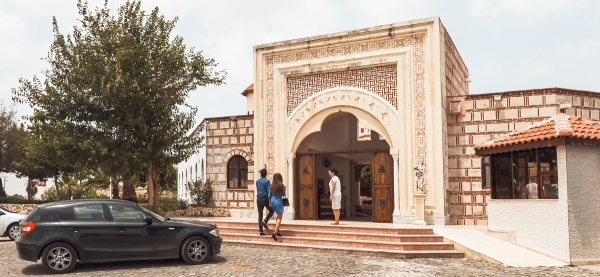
60, 233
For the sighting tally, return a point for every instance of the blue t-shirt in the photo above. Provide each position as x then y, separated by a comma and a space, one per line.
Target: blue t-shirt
263, 186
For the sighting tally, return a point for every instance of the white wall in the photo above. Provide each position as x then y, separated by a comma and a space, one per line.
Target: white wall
583, 164
541, 224
186, 170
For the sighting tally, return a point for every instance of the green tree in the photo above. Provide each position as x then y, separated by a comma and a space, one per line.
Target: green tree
119, 84
11, 141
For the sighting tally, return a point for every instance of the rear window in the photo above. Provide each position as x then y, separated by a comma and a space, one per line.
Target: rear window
38, 215
65, 214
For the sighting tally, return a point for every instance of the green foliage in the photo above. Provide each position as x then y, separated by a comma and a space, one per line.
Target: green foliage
365, 179
19, 200
200, 192
114, 96
11, 141
167, 204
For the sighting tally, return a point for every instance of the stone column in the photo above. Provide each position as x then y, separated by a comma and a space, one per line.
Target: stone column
420, 208
290, 212
396, 187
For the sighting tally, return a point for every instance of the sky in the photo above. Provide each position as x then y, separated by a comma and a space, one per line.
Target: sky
506, 44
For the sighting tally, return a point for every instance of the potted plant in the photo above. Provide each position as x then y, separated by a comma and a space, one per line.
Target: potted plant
200, 193
365, 182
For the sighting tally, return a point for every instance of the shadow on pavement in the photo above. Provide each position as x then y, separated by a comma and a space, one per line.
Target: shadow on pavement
38, 269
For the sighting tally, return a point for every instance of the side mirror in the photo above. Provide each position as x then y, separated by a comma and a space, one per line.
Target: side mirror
148, 220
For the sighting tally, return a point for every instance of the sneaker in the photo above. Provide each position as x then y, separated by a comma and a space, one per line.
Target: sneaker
274, 237
265, 226
262, 234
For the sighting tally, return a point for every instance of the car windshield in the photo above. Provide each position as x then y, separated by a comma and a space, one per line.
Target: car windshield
6, 210
153, 214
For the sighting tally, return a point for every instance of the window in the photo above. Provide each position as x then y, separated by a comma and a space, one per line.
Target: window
486, 171
89, 212
65, 214
509, 174
125, 213
237, 173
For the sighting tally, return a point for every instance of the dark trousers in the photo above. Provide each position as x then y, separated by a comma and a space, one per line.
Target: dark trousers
262, 202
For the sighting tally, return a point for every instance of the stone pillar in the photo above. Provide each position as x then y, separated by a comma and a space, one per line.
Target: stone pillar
290, 212
396, 187
420, 208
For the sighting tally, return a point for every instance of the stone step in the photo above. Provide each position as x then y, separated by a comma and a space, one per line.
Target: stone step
399, 254
331, 228
362, 244
338, 235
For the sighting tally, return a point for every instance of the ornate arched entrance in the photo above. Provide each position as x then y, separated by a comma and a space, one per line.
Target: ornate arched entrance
327, 127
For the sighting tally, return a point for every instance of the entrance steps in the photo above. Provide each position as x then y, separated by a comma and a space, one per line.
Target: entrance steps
403, 243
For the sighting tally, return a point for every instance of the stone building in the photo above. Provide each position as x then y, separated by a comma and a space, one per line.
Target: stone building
314, 99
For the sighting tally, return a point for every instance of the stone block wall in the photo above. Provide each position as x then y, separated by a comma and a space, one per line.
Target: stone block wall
485, 119
225, 138
19, 208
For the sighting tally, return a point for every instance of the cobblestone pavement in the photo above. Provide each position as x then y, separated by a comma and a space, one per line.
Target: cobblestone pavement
244, 261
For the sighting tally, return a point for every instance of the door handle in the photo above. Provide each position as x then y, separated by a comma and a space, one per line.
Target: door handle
119, 229
171, 229
74, 229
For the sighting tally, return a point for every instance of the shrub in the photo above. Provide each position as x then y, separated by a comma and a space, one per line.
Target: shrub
200, 192
15, 200
167, 204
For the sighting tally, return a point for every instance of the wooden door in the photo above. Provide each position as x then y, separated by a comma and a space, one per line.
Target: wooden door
383, 185
307, 188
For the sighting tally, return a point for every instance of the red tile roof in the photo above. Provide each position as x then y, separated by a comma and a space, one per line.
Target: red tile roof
560, 125
250, 88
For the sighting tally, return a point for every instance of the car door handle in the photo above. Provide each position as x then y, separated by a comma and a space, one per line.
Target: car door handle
75, 229
119, 229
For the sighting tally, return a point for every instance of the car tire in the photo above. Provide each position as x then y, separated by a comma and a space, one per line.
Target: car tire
59, 257
195, 250
13, 231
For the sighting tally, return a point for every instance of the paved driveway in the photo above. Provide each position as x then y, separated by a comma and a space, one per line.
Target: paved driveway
243, 261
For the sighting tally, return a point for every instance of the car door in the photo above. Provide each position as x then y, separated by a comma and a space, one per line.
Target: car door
88, 227
133, 237
2, 227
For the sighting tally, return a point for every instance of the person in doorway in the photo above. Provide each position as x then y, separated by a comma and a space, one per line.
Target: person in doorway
335, 188
531, 189
263, 186
276, 194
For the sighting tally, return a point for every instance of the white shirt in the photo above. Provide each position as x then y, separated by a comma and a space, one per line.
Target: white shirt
338, 186
533, 190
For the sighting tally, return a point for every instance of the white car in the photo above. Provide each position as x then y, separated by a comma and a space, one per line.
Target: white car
9, 223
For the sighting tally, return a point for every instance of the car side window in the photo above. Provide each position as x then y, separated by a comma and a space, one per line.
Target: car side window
65, 214
125, 213
88, 212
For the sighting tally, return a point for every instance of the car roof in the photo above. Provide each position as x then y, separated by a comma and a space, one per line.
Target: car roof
63, 203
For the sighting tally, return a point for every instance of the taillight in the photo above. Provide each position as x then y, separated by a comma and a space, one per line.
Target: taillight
27, 227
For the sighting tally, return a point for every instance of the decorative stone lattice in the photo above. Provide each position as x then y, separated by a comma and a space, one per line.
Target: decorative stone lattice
416, 42
381, 80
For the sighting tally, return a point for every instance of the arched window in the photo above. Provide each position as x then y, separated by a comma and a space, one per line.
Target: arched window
237, 173
196, 171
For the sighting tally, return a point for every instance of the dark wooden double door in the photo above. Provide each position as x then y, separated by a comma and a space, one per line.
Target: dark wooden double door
307, 200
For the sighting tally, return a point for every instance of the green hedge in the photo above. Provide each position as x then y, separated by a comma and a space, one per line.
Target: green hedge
15, 200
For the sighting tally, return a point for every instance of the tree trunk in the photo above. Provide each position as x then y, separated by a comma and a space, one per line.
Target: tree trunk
2, 191
129, 192
115, 189
152, 187
57, 187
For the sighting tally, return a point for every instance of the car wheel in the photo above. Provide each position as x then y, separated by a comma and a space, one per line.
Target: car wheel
59, 257
13, 231
195, 250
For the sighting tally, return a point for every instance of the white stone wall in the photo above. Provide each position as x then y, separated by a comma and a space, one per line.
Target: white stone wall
584, 207
541, 224
192, 169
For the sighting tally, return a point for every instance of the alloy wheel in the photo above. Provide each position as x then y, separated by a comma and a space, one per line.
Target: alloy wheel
14, 232
59, 258
197, 250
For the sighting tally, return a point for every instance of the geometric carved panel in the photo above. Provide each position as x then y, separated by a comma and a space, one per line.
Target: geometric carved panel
381, 80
